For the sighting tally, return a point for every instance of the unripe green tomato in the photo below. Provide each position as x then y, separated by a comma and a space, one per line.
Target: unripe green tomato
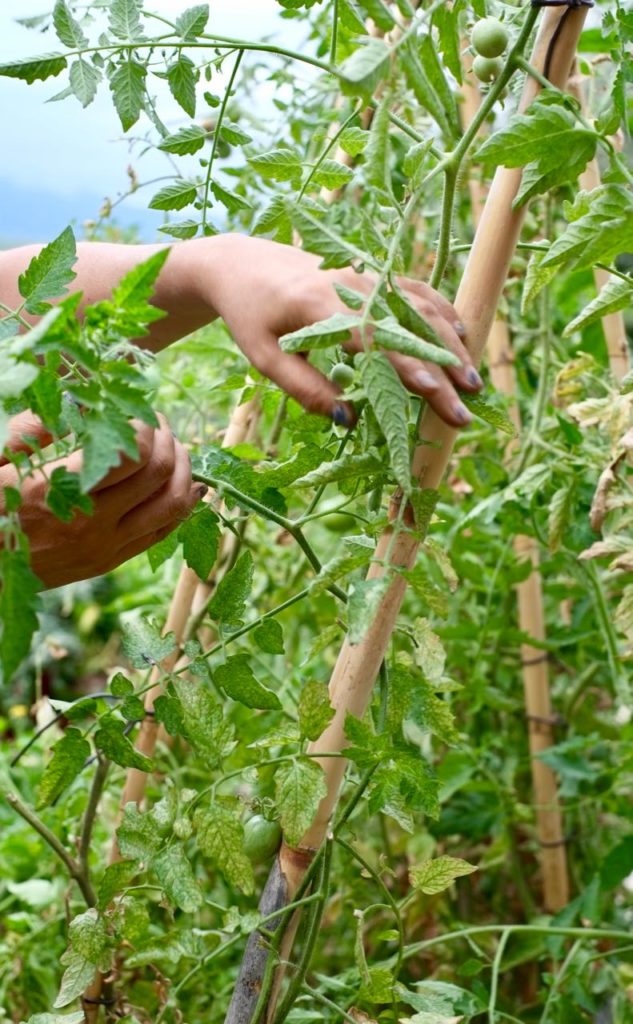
261, 838
183, 828
489, 37
342, 374
486, 69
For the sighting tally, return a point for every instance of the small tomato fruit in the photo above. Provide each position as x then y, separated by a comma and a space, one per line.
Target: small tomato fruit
486, 69
261, 838
342, 374
489, 37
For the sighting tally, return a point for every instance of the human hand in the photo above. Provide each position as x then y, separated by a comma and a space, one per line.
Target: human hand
134, 506
264, 290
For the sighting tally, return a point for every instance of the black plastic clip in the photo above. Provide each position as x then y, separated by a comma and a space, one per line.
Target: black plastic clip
563, 3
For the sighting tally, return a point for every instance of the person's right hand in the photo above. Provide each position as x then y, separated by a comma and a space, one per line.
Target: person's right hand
134, 506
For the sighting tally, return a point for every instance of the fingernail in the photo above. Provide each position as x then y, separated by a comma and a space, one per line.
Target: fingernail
201, 491
461, 413
459, 328
174, 435
341, 415
474, 379
425, 381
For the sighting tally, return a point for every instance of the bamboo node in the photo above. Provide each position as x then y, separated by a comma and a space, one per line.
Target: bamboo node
538, 660
545, 719
549, 844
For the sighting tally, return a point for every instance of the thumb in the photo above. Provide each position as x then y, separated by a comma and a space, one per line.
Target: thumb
26, 432
309, 386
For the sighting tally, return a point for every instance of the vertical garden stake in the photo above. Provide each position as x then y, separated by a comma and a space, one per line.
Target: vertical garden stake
535, 671
357, 666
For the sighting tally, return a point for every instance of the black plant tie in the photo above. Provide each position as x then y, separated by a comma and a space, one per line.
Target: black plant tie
570, 5
102, 1001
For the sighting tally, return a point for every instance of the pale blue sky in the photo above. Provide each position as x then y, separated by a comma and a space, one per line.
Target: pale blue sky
58, 160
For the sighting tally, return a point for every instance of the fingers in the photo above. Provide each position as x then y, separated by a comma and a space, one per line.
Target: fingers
304, 382
124, 495
145, 435
431, 383
26, 432
167, 506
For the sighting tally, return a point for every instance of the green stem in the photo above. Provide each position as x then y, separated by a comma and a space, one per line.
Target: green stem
74, 869
390, 901
334, 39
620, 686
585, 934
331, 142
446, 225
216, 135
494, 981
558, 980
96, 790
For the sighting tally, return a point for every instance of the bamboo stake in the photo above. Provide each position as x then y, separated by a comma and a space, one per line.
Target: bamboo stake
357, 666
535, 671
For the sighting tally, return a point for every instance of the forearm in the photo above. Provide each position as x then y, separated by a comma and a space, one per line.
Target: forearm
185, 288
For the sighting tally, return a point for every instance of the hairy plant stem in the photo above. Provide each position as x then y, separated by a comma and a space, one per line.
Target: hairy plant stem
98, 782
494, 980
620, 687
558, 980
585, 934
73, 868
216, 135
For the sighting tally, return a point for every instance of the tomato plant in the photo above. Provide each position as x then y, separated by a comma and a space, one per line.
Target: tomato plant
461, 847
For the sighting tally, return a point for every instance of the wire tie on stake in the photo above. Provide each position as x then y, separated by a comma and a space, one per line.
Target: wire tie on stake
101, 1001
538, 660
563, 3
570, 5
549, 844
545, 719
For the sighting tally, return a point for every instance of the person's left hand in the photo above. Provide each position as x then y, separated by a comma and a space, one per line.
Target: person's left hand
264, 290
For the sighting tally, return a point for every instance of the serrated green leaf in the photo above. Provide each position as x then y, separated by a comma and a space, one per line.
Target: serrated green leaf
390, 404
181, 229
362, 71
138, 835
320, 237
84, 81
429, 651
104, 438
18, 606
229, 601
116, 877
236, 678
125, 19
335, 330
436, 77
491, 414
314, 710
201, 720
175, 196
363, 604
65, 496
601, 232
200, 535
277, 164
69, 31
57, 1018
423, 89
391, 335
332, 174
559, 515
144, 645
379, 13
269, 637
127, 85
33, 69
220, 837
353, 140
48, 273
189, 139
182, 77
69, 756
111, 740
378, 151
537, 277
192, 22
299, 789
614, 296
175, 874
349, 467
233, 201
88, 934
77, 976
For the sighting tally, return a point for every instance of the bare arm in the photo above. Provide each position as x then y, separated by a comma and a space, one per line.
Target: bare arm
262, 290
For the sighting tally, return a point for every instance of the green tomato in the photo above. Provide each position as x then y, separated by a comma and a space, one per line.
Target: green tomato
486, 69
342, 374
489, 37
261, 838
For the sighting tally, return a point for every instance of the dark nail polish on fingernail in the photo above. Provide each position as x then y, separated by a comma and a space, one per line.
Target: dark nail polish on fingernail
201, 491
341, 416
459, 328
474, 379
461, 413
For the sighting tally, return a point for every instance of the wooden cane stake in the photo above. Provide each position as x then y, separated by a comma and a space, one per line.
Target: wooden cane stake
357, 665
535, 670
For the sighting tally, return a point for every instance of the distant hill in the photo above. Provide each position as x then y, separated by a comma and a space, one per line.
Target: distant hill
28, 215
